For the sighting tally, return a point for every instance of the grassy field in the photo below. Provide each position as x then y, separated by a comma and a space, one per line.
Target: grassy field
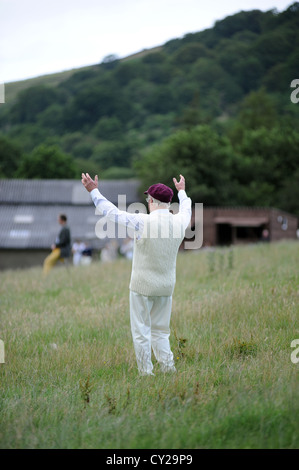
70, 378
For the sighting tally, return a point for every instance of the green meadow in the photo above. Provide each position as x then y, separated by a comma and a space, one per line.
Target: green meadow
70, 379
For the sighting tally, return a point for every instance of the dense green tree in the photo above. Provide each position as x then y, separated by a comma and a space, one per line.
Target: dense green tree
207, 73
200, 155
126, 71
155, 58
113, 154
161, 101
78, 144
256, 110
241, 21
31, 102
28, 136
93, 103
139, 92
236, 59
86, 166
52, 118
118, 173
108, 128
190, 53
259, 170
160, 73
70, 140
10, 156
277, 149
47, 163
287, 196
272, 48
267, 162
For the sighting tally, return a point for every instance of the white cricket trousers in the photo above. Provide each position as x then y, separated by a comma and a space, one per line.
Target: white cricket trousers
150, 319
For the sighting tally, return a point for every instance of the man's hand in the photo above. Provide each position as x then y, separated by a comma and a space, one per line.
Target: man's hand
181, 184
88, 182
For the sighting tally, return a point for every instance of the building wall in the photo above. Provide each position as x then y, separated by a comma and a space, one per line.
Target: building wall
209, 227
280, 224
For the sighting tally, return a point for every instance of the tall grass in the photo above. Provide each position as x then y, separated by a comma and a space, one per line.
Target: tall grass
70, 378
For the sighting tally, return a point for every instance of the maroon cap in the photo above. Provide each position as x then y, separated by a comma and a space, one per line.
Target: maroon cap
161, 192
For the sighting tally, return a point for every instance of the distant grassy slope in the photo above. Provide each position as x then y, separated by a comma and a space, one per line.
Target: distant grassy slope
70, 377
13, 88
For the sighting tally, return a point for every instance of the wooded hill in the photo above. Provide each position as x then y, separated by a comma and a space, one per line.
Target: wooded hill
215, 105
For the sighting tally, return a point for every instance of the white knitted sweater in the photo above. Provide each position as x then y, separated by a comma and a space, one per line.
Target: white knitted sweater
158, 236
155, 253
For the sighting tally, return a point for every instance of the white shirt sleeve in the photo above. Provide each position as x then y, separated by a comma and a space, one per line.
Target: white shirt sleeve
185, 208
136, 221
109, 210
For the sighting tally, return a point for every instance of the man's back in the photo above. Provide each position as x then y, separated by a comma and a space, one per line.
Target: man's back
155, 253
156, 243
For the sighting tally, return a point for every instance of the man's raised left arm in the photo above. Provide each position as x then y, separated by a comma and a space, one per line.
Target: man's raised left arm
185, 210
108, 209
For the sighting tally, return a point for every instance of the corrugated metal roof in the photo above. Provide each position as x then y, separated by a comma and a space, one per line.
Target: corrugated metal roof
29, 210
43, 227
63, 191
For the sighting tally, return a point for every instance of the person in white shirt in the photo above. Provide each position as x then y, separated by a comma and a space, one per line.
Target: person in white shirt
157, 238
127, 248
77, 249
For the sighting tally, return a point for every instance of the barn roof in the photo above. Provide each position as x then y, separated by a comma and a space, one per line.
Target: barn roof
29, 210
63, 191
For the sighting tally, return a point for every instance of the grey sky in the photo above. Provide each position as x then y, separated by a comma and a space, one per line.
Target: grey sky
38, 37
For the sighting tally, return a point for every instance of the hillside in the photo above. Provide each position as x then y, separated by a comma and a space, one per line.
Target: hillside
12, 89
229, 84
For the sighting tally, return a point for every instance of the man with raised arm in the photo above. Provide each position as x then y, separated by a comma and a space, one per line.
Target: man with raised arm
157, 238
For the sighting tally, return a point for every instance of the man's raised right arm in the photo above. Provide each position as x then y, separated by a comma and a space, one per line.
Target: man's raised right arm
185, 209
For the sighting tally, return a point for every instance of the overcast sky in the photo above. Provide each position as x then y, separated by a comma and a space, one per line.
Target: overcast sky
38, 37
